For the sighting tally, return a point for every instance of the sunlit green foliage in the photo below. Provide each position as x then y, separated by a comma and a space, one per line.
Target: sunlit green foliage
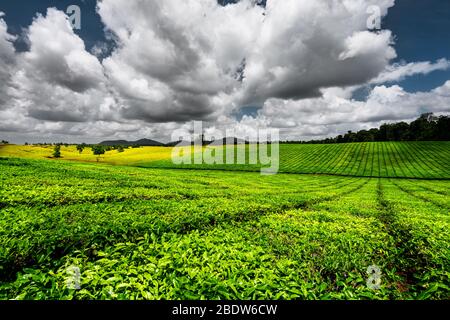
140, 233
369, 159
425, 160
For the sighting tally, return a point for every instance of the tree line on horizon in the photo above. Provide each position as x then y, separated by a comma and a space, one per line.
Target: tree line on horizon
426, 128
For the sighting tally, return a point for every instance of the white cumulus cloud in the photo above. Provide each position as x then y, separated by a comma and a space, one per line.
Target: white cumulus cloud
298, 61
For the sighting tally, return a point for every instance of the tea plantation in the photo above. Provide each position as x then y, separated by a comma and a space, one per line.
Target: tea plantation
140, 233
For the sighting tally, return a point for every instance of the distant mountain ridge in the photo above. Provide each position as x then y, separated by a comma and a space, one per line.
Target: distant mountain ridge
154, 143
141, 142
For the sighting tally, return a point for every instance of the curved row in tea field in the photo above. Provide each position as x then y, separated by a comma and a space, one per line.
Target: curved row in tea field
139, 233
423, 160
372, 159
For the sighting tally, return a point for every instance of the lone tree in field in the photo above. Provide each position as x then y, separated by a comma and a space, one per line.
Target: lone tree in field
98, 151
120, 149
80, 147
5, 142
57, 151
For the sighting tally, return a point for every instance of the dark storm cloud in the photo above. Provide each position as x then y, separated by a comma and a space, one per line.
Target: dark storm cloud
7, 62
183, 107
56, 116
54, 69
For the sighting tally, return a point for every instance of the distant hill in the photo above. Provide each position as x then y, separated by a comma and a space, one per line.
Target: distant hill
141, 142
153, 143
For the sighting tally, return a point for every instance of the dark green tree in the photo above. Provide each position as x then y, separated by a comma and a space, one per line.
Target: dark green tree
442, 130
424, 128
98, 150
80, 147
399, 132
57, 151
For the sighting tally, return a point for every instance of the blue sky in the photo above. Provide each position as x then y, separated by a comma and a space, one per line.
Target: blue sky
422, 30
20, 14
